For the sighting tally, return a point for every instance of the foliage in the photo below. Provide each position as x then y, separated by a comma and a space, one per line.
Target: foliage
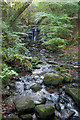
19, 63
56, 23
6, 74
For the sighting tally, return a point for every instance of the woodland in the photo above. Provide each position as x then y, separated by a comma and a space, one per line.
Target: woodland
40, 61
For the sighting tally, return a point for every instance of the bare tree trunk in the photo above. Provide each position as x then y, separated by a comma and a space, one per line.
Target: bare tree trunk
19, 12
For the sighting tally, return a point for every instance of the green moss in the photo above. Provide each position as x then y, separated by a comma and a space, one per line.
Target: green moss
36, 87
74, 93
26, 117
67, 78
52, 79
38, 62
37, 67
34, 59
44, 111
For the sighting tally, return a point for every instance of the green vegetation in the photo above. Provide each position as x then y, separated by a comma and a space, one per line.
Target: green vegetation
57, 21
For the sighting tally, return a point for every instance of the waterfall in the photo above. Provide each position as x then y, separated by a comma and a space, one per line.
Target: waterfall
35, 34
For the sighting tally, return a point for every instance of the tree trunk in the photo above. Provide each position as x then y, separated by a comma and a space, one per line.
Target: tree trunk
19, 12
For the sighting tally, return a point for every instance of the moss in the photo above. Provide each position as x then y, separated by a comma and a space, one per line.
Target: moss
39, 62
37, 67
20, 63
24, 105
34, 59
52, 79
74, 93
44, 111
36, 87
67, 78
64, 71
26, 117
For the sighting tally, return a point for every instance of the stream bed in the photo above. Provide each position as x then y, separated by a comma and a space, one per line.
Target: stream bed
65, 107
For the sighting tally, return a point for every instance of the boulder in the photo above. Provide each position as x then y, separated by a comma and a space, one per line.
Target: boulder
24, 105
74, 93
26, 117
44, 112
52, 79
36, 87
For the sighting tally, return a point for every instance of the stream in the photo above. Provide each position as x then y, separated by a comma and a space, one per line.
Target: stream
55, 96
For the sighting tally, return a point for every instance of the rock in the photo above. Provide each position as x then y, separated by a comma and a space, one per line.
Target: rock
36, 87
57, 106
75, 118
34, 59
52, 62
67, 78
67, 114
26, 117
37, 67
24, 105
5, 93
74, 93
39, 62
13, 117
44, 112
52, 79
12, 86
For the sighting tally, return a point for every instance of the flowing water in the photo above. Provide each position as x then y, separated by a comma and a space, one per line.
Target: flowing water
64, 105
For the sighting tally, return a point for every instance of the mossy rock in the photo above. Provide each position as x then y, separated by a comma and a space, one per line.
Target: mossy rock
34, 59
52, 79
39, 62
24, 105
67, 78
36, 87
64, 71
26, 117
74, 93
5, 93
12, 117
44, 111
37, 67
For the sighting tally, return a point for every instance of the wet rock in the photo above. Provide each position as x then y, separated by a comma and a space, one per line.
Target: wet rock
74, 93
44, 112
67, 114
57, 106
52, 79
75, 118
13, 117
36, 87
26, 117
24, 105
